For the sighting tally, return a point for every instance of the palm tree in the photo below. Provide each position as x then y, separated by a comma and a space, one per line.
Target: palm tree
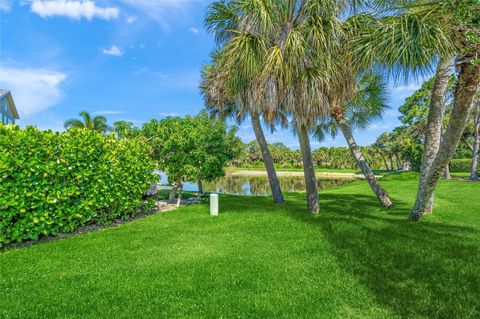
221, 104
415, 34
98, 123
476, 139
367, 103
379, 148
270, 53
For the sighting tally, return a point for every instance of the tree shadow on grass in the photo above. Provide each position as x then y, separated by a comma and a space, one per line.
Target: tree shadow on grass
426, 269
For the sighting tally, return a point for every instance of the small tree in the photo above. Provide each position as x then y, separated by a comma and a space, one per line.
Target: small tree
215, 146
192, 149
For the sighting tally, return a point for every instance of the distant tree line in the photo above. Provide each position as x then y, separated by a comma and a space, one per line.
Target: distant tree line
250, 156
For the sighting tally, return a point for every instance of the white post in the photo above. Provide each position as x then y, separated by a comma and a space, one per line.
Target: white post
214, 204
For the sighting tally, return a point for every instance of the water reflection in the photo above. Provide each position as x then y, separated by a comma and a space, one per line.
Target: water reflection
259, 185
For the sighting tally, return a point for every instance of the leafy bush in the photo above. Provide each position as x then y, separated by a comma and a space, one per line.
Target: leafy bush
55, 182
460, 165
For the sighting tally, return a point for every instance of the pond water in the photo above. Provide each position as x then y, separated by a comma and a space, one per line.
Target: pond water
259, 185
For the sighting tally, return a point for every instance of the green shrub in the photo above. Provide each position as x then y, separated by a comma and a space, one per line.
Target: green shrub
55, 182
460, 165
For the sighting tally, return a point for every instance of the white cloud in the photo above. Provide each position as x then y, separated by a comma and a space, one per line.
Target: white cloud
74, 9
194, 30
163, 12
131, 19
108, 112
5, 5
168, 114
113, 50
33, 90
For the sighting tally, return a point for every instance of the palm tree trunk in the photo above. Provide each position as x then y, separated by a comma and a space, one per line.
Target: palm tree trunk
384, 160
468, 80
446, 172
308, 170
362, 163
399, 162
476, 144
267, 160
433, 132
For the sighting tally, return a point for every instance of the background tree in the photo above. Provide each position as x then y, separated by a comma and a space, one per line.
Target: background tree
98, 123
125, 129
476, 139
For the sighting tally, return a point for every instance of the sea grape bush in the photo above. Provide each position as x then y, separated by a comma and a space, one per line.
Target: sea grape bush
55, 182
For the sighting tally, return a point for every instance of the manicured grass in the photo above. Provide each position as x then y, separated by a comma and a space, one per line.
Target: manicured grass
256, 260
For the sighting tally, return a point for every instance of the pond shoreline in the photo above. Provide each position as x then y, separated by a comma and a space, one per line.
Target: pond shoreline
297, 174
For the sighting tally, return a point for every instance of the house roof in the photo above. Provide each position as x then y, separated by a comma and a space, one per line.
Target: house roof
11, 103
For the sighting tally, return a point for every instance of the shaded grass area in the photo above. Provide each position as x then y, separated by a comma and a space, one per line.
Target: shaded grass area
354, 260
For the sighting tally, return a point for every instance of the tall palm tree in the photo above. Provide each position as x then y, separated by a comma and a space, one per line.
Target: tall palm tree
379, 148
417, 33
476, 139
366, 103
98, 123
270, 53
221, 104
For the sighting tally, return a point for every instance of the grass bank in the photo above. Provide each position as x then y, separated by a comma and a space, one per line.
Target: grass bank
354, 260
292, 169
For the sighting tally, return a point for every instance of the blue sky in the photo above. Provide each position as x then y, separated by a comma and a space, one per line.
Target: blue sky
126, 59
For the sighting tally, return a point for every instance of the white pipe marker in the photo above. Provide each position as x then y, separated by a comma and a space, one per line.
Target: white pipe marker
213, 204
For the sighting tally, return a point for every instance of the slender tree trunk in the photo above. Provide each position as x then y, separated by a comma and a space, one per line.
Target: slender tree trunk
399, 162
173, 194
468, 80
446, 171
391, 162
433, 132
179, 199
362, 163
267, 160
476, 143
308, 170
384, 161
200, 187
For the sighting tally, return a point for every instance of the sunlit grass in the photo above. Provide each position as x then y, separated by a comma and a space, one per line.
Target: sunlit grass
354, 260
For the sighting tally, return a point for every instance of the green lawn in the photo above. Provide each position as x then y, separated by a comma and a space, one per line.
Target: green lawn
354, 260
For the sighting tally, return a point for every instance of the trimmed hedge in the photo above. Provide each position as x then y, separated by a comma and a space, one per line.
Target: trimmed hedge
55, 182
460, 165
